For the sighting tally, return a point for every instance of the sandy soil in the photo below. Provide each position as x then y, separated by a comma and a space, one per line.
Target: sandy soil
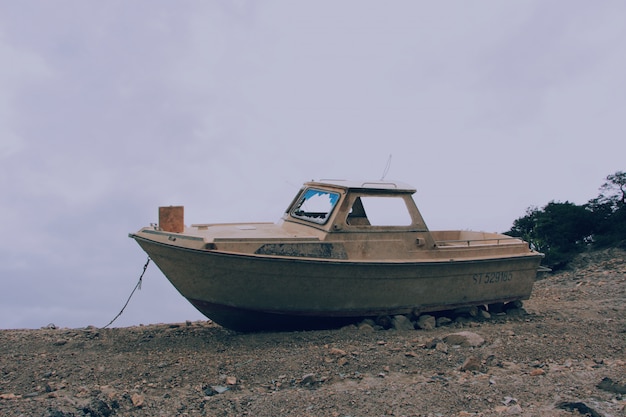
564, 354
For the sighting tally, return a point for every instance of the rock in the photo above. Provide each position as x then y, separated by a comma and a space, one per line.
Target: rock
607, 384
137, 400
484, 314
369, 322
472, 363
337, 352
308, 379
514, 409
443, 321
401, 323
441, 347
509, 400
431, 343
365, 327
472, 311
426, 322
579, 407
98, 408
230, 380
209, 391
219, 389
465, 339
537, 372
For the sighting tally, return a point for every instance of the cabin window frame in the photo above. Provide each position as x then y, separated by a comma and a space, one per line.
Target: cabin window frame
315, 217
364, 222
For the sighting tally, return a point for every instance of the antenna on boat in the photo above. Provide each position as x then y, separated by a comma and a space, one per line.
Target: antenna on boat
386, 170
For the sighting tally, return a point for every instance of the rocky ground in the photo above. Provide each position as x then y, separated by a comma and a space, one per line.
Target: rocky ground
563, 354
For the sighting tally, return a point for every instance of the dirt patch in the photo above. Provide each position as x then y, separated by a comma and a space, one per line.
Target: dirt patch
563, 355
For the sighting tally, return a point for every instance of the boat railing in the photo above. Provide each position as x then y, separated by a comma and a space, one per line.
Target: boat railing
480, 242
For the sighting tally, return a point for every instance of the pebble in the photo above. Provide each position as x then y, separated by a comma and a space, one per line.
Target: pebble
366, 327
426, 322
137, 400
465, 339
401, 323
472, 363
337, 352
441, 347
443, 321
484, 314
307, 379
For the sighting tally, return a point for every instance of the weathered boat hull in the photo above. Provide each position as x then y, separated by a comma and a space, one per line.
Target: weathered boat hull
256, 292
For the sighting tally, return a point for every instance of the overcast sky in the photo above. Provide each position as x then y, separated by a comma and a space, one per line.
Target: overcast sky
111, 109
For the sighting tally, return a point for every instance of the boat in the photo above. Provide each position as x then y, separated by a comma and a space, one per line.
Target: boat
342, 251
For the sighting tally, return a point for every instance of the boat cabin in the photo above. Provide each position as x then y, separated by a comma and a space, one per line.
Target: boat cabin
340, 206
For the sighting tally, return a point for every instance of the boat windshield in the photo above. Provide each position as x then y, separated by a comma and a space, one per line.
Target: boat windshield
315, 205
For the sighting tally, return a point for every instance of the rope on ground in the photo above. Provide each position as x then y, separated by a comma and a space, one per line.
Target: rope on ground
138, 286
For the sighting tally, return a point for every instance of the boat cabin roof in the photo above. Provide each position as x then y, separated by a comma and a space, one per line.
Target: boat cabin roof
364, 185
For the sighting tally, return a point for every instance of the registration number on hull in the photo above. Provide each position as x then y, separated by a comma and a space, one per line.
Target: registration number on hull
492, 277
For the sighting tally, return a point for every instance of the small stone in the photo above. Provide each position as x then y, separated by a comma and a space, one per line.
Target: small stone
443, 321
509, 400
231, 380
537, 372
441, 347
370, 322
431, 343
307, 379
219, 389
337, 352
366, 327
465, 339
402, 323
484, 314
426, 322
138, 400
472, 363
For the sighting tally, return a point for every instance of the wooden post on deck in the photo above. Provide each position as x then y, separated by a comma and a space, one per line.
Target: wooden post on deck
172, 219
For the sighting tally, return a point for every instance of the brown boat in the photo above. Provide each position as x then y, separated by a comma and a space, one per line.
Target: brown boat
342, 251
